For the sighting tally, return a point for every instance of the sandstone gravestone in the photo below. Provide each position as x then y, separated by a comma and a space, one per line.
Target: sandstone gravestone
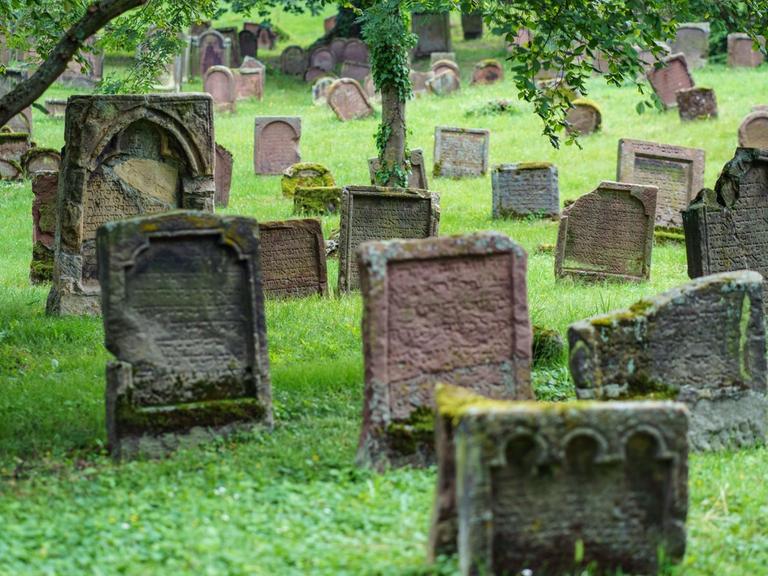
10, 170
668, 80
44, 189
702, 343
40, 160
184, 317
444, 83
676, 171
556, 488
276, 143
305, 175
487, 72
337, 46
223, 176
322, 58
742, 53
348, 100
374, 213
441, 66
214, 50
313, 74
696, 103
293, 258
21, 123
13, 145
472, 26
433, 31
320, 90
583, 117
316, 200
248, 44
56, 107
753, 132
608, 233
329, 23
692, 39
355, 70
418, 176
219, 82
293, 61
267, 38
525, 189
355, 51
438, 310
249, 83
460, 152
125, 156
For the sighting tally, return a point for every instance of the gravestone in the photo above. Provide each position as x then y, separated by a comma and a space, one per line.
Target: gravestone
702, 344
10, 170
725, 228
21, 123
222, 175
320, 200
460, 152
248, 44
219, 82
420, 81
418, 176
668, 80
355, 51
348, 100
696, 103
40, 160
337, 46
472, 26
487, 72
56, 107
356, 70
44, 190
444, 83
583, 117
305, 175
450, 310
249, 83
676, 171
433, 31
125, 156
320, 90
184, 317
322, 58
267, 38
293, 61
214, 50
313, 74
608, 233
276, 143
293, 258
560, 488
435, 57
692, 39
441, 66
199, 28
525, 189
648, 59
375, 213
753, 132
13, 145
742, 53
231, 34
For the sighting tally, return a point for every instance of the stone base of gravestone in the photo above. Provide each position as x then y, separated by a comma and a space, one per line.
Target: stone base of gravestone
696, 103
320, 200
305, 175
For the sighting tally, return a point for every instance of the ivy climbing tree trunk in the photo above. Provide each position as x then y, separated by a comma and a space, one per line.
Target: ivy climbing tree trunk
393, 117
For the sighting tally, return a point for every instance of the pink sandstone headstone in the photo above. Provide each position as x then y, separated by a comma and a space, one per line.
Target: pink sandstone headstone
322, 58
348, 100
44, 189
276, 143
696, 103
487, 72
222, 174
312, 74
267, 38
460, 152
753, 132
355, 51
214, 50
249, 83
219, 82
742, 53
356, 70
583, 118
293, 61
668, 80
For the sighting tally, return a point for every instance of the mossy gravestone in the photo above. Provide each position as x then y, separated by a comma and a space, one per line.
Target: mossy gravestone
702, 344
438, 310
556, 488
305, 175
316, 200
184, 316
525, 189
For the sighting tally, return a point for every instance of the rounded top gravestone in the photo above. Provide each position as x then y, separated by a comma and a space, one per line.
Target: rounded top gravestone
753, 132
293, 61
487, 72
583, 118
322, 58
305, 175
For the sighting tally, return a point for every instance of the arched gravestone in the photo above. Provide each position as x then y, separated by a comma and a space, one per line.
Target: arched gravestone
742, 53
266, 38
40, 160
583, 118
21, 123
348, 100
214, 50
322, 58
444, 83
312, 74
337, 46
305, 175
668, 80
13, 145
293, 61
355, 51
692, 39
441, 66
753, 132
230, 33
487, 72
125, 156
10, 170
276, 143
248, 44
219, 82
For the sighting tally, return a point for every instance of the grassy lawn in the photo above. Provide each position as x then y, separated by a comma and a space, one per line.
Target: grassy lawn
293, 502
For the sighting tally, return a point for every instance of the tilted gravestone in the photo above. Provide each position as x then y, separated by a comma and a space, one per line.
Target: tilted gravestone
472, 26
608, 233
702, 343
487, 72
448, 310
44, 189
418, 175
184, 317
420, 81
219, 82
557, 488
223, 176
293, 61
433, 31
460, 152
375, 213
696, 103
676, 171
40, 160
673, 76
584, 117
725, 228
125, 156
276, 143
753, 131
355, 51
692, 39
305, 175
742, 53
214, 50
316, 200
348, 100
525, 189
293, 258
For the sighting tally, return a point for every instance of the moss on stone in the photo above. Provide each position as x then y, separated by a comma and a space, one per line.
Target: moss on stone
533, 165
316, 200
41, 267
291, 180
405, 436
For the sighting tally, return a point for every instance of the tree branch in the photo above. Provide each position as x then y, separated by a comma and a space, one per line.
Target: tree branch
96, 16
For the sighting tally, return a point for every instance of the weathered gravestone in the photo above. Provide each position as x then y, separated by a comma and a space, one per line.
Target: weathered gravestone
293, 258
40, 160
374, 213
460, 152
184, 317
355, 51
584, 117
556, 488
433, 31
418, 175
608, 233
696, 103
125, 156
444, 83
248, 44
673, 76
702, 343
320, 90
441, 66
223, 175
725, 228
472, 26
219, 82
21, 123
487, 72
676, 171
322, 58
313, 74
249, 83
85, 75
267, 38
753, 131
742, 53
692, 39
276, 143
337, 46
438, 310
420, 81
13, 145
305, 175
348, 100
214, 50
44, 189
525, 189
10, 170
355, 70
56, 107
293, 61
316, 200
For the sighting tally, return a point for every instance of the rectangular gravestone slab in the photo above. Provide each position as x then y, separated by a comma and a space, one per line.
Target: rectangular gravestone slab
702, 343
433, 31
525, 189
418, 176
608, 233
449, 310
673, 76
184, 316
293, 258
276, 143
696, 103
692, 39
676, 171
316, 200
375, 213
44, 189
742, 53
461, 152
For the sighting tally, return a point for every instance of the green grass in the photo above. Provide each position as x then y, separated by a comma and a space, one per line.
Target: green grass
293, 502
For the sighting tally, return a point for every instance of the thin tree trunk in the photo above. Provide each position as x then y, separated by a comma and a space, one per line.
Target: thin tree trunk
98, 15
393, 115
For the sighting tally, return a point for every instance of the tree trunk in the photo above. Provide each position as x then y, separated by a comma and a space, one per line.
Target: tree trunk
393, 116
